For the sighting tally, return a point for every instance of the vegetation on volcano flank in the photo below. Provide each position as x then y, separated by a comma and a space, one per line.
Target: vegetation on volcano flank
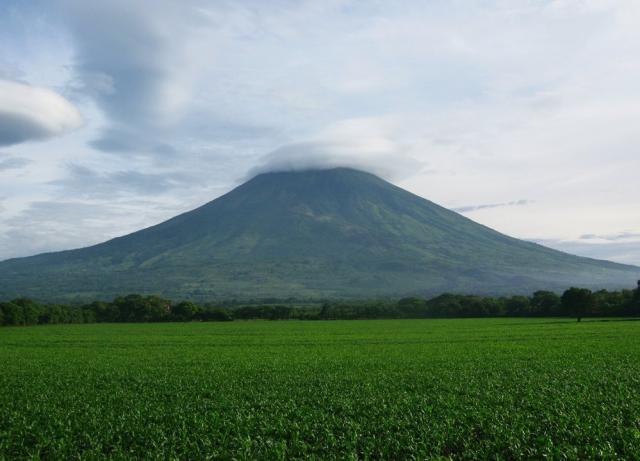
322, 234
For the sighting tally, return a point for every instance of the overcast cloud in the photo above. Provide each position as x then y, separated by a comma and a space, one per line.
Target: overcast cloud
520, 114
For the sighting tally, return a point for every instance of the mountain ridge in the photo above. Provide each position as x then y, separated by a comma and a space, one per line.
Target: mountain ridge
333, 233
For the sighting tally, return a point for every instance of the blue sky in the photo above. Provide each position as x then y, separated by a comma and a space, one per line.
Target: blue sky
522, 115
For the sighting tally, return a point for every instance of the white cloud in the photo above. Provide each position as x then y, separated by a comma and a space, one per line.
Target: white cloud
12, 163
32, 113
135, 62
484, 206
360, 143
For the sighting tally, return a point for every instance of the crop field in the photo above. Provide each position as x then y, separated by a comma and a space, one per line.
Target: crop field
393, 389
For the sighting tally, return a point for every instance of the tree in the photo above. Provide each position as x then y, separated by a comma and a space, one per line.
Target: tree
13, 314
609, 302
517, 305
544, 303
138, 308
325, 312
73, 314
51, 314
578, 302
281, 312
635, 301
30, 310
184, 311
493, 306
412, 307
444, 305
214, 314
88, 316
103, 312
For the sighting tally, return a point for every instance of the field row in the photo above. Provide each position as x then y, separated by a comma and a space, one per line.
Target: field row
396, 389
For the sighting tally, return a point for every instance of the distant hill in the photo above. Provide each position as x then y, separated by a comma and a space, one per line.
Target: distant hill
337, 233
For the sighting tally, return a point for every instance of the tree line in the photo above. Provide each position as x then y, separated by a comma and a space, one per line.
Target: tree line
574, 302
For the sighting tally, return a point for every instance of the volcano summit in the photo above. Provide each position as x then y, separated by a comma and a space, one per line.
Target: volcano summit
336, 233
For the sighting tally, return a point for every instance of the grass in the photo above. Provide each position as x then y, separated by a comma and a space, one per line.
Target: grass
395, 389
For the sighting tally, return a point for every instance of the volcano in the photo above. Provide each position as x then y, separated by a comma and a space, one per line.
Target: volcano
319, 234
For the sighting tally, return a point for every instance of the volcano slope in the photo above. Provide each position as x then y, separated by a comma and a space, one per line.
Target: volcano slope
335, 233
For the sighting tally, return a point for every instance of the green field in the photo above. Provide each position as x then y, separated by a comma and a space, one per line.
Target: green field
395, 389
